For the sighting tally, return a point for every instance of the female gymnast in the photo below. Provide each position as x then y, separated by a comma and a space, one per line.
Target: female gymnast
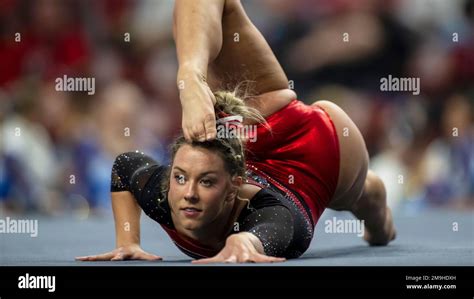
239, 200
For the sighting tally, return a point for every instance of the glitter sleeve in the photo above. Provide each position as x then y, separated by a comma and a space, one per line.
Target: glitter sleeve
142, 175
271, 222
131, 171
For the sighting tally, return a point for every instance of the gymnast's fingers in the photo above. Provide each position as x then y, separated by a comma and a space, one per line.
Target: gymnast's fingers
145, 256
186, 132
244, 258
208, 260
118, 257
99, 257
261, 258
198, 132
210, 127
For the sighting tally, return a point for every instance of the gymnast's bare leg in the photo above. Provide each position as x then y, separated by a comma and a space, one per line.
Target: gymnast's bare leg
359, 189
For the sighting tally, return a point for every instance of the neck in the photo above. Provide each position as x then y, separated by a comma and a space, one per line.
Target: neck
215, 234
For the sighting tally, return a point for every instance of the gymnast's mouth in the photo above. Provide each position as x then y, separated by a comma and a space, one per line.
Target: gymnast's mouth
191, 209
190, 212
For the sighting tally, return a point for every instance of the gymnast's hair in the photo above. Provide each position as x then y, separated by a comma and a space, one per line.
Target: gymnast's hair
231, 150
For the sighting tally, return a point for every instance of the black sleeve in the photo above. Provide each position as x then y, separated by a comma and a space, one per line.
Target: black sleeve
131, 171
270, 221
142, 176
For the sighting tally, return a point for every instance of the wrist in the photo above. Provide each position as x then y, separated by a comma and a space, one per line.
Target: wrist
190, 73
127, 244
127, 241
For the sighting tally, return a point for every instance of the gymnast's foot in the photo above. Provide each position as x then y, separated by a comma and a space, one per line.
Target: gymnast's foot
383, 233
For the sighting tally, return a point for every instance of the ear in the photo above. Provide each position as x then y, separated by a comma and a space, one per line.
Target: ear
236, 183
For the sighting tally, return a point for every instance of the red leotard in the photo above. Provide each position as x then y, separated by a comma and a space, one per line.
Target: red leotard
300, 153
298, 157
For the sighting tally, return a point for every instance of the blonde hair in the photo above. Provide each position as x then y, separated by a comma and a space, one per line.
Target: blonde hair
231, 103
231, 150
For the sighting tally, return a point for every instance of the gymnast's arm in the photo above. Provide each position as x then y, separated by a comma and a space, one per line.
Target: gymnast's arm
127, 232
197, 31
266, 234
126, 210
273, 227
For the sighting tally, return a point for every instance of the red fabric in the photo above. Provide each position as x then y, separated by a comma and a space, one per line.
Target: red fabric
302, 143
301, 152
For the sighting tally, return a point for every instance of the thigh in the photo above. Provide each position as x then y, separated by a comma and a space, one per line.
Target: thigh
354, 158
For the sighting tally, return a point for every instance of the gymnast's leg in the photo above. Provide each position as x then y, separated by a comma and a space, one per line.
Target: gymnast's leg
372, 208
359, 189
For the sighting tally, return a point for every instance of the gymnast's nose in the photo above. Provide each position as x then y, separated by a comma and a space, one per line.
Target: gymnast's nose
191, 192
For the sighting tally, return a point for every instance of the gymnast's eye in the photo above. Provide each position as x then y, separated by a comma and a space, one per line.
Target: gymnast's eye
180, 179
206, 182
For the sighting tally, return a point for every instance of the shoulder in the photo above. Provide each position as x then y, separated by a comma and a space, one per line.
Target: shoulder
248, 191
262, 199
265, 198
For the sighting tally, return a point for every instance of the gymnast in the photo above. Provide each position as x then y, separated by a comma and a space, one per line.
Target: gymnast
238, 200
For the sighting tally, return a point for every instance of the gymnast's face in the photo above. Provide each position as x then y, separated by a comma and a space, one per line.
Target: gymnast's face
200, 188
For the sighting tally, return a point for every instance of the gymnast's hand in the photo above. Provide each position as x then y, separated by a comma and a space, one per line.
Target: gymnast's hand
129, 252
241, 248
197, 101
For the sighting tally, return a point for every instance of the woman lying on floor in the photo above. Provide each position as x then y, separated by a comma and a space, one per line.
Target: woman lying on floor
256, 199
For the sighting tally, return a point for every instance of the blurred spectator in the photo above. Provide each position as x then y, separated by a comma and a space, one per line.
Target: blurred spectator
448, 165
29, 164
46, 42
116, 126
61, 157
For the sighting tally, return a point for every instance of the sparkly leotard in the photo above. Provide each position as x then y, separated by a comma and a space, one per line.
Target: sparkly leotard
282, 161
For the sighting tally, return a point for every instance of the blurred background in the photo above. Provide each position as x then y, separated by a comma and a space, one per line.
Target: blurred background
57, 148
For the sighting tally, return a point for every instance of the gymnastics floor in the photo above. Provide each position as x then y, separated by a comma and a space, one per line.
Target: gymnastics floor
431, 238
